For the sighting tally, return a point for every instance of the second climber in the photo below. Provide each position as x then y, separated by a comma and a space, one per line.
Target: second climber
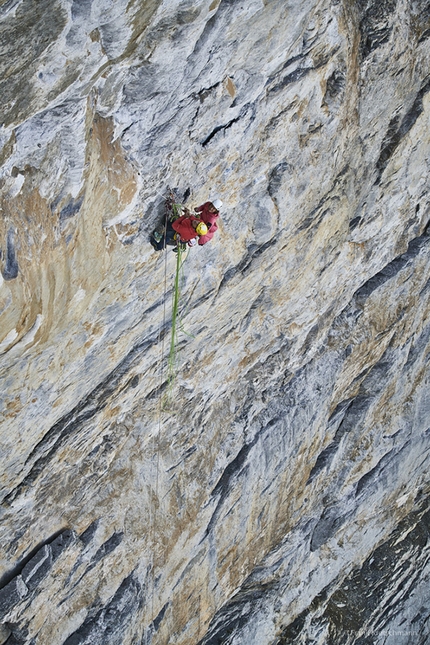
209, 213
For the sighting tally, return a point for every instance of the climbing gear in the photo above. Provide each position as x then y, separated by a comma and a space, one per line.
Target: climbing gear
217, 203
201, 229
176, 211
157, 235
174, 208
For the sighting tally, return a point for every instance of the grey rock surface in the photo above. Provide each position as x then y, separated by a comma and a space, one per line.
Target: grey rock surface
277, 490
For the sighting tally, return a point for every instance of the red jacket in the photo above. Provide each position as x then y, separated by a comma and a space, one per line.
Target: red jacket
184, 228
209, 219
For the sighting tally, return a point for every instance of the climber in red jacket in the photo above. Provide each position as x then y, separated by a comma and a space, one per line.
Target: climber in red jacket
189, 228
209, 213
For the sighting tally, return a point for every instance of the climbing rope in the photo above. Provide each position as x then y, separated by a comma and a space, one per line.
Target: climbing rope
175, 311
181, 255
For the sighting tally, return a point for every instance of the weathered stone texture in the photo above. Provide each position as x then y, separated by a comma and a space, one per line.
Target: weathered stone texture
278, 491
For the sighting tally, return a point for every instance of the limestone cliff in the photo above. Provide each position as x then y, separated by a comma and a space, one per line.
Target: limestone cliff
278, 492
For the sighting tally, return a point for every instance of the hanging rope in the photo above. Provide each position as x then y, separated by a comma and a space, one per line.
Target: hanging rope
175, 306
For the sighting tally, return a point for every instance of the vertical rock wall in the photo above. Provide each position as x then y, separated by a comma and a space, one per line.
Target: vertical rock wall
278, 491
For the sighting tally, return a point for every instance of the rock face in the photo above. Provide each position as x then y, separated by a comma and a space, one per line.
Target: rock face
277, 491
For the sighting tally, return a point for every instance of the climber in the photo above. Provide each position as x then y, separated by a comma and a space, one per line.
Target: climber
185, 229
209, 213
189, 229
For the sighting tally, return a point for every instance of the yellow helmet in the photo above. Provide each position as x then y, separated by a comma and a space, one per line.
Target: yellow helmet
201, 229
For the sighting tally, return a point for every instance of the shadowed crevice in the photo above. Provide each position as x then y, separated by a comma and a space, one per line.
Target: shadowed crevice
109, 623
397, 130
392, 268
10, 269
253, 252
